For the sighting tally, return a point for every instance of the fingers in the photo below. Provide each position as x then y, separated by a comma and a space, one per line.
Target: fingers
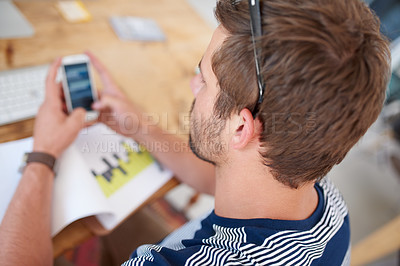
56, 98
104, 116
59, 93
77, 119
106, 102
105, 77
62, 97
51, 91
108, 108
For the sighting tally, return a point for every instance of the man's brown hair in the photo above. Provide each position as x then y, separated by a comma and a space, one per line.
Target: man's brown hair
326, 68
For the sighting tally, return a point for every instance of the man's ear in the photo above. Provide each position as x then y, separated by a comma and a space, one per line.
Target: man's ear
244, 132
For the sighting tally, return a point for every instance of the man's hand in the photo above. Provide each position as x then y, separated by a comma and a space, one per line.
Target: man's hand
55, 130
120, 114
116, 110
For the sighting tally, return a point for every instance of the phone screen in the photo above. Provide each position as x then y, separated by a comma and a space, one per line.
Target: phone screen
79, 85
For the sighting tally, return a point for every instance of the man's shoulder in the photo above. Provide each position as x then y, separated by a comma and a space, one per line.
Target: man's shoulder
333, 198
214, 240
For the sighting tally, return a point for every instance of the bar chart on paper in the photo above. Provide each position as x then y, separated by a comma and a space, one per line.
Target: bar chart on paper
113, 159
120, 169
102, 174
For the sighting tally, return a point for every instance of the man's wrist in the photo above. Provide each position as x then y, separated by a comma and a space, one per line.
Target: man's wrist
46, 150
43, 158
38, 169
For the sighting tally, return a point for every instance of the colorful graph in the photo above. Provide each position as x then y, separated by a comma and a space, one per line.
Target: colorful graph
119, 171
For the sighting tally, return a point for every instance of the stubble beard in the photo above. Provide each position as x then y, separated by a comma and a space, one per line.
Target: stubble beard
205, 137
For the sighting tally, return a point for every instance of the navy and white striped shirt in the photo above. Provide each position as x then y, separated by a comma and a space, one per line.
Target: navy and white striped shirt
322, 239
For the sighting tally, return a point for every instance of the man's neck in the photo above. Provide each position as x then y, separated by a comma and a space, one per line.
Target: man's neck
249, 191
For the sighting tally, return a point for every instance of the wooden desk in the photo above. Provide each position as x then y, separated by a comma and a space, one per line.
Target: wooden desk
155, 75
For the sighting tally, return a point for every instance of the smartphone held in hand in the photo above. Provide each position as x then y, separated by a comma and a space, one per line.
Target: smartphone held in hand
79, 89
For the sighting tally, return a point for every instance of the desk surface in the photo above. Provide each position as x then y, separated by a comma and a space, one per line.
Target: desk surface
154, 75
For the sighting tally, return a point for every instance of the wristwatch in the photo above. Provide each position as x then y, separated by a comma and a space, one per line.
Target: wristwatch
38, 157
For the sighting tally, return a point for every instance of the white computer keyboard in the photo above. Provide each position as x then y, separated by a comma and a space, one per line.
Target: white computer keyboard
21, 93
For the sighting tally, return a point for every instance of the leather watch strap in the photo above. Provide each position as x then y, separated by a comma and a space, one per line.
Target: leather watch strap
41, 157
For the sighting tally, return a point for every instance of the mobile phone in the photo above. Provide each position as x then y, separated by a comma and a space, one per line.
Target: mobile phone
78, 85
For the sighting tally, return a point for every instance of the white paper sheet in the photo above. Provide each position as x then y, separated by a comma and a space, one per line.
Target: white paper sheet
11, 154
77, 192
101, 142
71, 188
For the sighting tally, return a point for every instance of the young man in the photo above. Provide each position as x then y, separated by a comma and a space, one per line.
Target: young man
264, 148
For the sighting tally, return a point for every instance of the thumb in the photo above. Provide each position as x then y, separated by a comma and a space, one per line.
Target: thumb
76, 120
